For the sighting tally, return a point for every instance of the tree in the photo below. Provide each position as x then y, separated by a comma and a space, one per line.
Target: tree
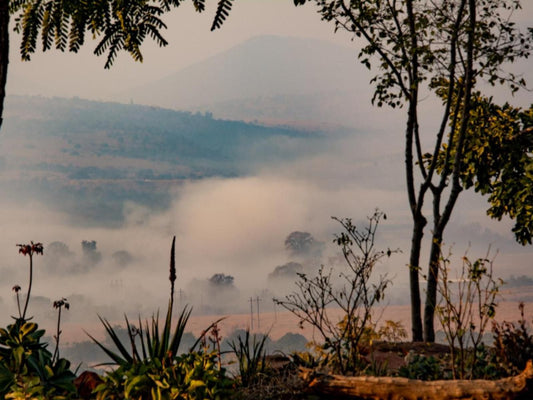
91, 255
119, 25
355, 293
447, 48
58, 259
221, 281
497, 162
122, 258
303, 245
288, 270
58, 250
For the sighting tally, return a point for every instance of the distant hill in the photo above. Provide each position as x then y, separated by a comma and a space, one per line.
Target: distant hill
70, 148
269, 78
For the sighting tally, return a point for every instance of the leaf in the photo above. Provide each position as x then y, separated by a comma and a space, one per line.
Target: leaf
223, 9
195, 384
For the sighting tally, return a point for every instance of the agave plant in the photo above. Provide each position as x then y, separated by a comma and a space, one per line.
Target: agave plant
149, 366
155, 343
251, 353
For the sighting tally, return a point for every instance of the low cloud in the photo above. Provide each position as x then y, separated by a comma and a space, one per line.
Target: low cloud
229, 226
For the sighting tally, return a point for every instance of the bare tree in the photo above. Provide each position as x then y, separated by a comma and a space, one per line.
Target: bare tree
355, 295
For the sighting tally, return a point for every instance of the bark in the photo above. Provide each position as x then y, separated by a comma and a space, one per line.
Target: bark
431, 288
4, 52
414, 269
392, 388
412, 139
419, 221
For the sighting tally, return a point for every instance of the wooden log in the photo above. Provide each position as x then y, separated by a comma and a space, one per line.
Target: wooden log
394, 388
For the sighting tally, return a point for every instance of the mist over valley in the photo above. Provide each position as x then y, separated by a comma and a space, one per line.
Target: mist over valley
230, 160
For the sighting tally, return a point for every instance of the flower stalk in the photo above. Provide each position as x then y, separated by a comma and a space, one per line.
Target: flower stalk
29, 250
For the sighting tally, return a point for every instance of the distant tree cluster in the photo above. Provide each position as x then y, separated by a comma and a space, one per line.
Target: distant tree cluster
214, 295
221, 281
286, 271
305, 254
303, 245
90, 255
59, 259
288, 343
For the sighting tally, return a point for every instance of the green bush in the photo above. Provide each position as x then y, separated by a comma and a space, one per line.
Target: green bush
513, 344
421, 367
27, 369
190, 376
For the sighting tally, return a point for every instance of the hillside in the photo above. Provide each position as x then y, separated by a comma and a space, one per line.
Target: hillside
269, 78
117, 152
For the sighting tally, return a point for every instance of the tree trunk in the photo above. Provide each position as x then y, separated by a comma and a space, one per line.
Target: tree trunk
392, 388
4, 52
414, 272
431, 288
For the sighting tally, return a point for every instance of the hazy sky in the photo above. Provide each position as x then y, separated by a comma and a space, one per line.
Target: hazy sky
190, 41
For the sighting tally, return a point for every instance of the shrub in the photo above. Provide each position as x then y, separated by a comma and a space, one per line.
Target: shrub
27, 368
513, 344
250, 353
421, 367
392, 331
356, 296
192, 375
465, 310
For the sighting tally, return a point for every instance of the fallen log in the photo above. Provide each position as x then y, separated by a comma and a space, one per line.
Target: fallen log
394, 388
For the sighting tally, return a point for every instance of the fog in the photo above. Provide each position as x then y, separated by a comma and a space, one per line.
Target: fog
233, 226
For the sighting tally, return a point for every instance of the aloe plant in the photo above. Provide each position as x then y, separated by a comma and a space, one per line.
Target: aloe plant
251, 353
149, 366
155, 343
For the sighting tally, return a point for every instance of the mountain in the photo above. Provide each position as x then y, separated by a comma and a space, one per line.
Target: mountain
269, 78
93, 156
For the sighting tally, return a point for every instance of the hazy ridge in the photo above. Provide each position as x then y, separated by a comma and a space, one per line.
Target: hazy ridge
115, 152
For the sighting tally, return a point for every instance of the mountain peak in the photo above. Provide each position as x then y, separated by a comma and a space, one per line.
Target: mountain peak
266, 65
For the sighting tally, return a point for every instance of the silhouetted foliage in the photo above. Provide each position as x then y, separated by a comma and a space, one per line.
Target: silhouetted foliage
513, 343
286, 271
122, 258
303, 245
118, 25
355, 294
221, 281
58, 250
90, 254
